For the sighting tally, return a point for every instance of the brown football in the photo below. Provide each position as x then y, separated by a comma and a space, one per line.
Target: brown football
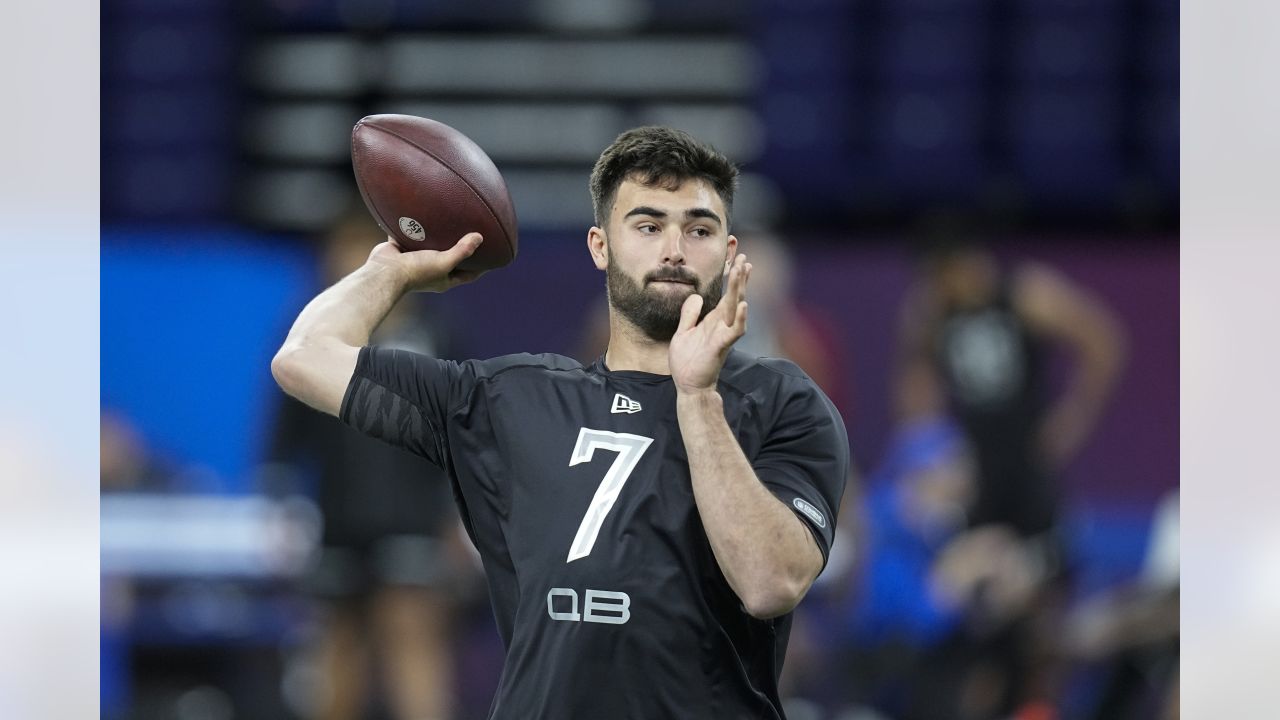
427, 185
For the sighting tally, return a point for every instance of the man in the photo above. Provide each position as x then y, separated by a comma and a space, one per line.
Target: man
973, 342
384, 569
648, 522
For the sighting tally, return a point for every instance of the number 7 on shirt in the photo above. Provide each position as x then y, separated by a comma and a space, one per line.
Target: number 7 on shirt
629, 448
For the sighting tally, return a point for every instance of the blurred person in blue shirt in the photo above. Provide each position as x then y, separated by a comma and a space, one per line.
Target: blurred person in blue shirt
917, 618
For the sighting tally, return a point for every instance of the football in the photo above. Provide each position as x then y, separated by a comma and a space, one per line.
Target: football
427, 185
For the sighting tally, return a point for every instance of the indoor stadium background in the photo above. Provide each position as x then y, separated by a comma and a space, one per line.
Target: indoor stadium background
1049, 125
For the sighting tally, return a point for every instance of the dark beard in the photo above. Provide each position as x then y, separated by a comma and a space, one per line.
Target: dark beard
657, 315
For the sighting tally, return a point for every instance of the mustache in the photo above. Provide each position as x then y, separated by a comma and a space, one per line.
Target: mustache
671, 275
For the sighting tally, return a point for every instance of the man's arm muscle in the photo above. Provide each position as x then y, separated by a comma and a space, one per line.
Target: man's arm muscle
766, 553
318, 357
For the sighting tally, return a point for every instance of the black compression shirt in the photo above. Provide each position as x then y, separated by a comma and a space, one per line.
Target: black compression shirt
574, 484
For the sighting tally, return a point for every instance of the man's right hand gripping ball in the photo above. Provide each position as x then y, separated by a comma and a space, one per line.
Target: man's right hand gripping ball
429, 270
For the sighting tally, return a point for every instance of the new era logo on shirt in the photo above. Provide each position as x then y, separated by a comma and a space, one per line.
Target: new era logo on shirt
624, 404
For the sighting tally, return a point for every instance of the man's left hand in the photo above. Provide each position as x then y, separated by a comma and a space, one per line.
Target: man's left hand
698, 349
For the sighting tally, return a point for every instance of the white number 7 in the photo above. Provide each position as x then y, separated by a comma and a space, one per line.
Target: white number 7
629, 449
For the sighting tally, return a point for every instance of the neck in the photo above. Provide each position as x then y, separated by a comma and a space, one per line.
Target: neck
630, 349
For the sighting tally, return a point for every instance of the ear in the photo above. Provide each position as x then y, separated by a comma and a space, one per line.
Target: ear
730, 250
598, 245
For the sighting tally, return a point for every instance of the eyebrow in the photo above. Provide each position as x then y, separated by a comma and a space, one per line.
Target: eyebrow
703, 213
699, 212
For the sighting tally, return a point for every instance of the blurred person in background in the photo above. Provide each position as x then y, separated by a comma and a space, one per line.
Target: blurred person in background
124, 465
127, 465
783, 326
1131, 632
908, 627
390, 559
974, 341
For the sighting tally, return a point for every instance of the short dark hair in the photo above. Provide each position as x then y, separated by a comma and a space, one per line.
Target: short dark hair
659, 156
941, 235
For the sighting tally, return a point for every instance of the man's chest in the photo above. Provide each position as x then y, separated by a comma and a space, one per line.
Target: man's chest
597, 478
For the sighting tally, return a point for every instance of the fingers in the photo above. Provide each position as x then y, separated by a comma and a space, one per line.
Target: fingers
689, 312
444, 260
461, 250
385, 248
462, 277
740, 322
738, 272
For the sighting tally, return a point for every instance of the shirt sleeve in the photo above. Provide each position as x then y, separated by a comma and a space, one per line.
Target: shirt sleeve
403, 398
804, 460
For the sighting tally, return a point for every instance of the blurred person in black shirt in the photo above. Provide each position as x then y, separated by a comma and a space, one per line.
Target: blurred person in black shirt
974, 340
648, 521
388, 564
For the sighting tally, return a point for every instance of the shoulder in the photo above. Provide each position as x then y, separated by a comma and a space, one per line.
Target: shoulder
1042, 295
1037, 284
768, 378
523, 369
792, 410
743, 367
523, 363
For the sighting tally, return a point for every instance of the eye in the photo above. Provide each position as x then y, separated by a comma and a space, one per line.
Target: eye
647, 228
701, 232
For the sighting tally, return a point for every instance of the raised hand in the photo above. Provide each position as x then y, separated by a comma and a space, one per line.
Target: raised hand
430, 270
698, 349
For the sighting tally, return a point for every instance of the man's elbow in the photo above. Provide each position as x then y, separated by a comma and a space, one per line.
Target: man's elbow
774, 598
316, 372
1117, 347
287, 368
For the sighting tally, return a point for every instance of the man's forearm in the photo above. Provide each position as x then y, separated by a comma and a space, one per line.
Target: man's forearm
319, 355
351, 309
766, 554
1071, 419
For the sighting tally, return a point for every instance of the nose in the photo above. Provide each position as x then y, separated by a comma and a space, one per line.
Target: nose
673, 246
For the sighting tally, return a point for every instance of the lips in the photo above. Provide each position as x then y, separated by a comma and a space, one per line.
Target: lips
681, 281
